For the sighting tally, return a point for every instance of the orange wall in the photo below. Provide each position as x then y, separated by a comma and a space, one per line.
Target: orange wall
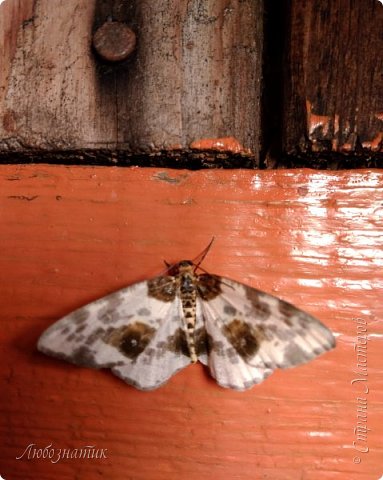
69, 235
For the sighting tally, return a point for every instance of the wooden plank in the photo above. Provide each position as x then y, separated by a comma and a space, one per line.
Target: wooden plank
187, 87
333, 90
181, 87
12, 15
50, 94
72, 234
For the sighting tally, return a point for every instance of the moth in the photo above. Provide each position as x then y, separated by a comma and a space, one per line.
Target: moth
147, 332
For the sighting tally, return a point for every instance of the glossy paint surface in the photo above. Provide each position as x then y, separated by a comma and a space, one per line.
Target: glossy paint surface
70, 235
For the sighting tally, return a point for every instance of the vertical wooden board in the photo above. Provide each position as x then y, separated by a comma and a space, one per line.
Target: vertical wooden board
71, 235
148, 93
12, 14
189, 89
222, 72
51, 92
333, 89
181, 86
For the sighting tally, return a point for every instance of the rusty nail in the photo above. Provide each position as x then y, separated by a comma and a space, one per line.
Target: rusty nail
114, 41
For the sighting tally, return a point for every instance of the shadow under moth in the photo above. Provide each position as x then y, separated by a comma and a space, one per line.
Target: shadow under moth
147, 332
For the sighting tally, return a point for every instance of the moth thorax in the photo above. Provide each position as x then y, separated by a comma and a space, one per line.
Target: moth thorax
187, 283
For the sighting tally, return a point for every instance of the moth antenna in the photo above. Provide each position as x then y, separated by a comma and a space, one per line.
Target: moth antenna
199, 258
222, 281
168, 267
202, 269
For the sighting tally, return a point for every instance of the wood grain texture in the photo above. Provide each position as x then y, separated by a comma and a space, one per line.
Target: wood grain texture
195, 75
12, 15
52, 78
72, 234
333, 89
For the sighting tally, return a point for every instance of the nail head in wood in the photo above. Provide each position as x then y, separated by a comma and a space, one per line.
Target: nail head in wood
114, 41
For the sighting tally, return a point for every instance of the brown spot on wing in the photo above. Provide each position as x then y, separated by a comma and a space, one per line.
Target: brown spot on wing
177, 343
114, 300
202, 341
230, 310
303, 320
130, 340
108, 314
81, 315
287, 311
244, 338
208, 286
267, 332
94, 336
287, 321
83, 356
261, 308
162, 288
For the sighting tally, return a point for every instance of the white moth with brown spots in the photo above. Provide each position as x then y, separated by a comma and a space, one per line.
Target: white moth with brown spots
147, 332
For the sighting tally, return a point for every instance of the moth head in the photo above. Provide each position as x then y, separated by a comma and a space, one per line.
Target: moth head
188, 265
184, 266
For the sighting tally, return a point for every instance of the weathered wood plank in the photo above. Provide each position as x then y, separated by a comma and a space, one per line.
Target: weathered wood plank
188, 86
12, 15
72, 234
333, 89
51, 95
195, 75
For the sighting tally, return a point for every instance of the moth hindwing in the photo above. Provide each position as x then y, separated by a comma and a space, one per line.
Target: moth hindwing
147, 332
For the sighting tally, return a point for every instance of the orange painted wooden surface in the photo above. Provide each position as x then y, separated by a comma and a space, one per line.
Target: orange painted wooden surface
72, 234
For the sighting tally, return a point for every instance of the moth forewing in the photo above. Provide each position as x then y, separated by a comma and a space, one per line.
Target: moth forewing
252, 329
129, 332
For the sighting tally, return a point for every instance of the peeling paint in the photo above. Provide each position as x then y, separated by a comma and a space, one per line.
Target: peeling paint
222, 144
323, 122
315, 121
375, 144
